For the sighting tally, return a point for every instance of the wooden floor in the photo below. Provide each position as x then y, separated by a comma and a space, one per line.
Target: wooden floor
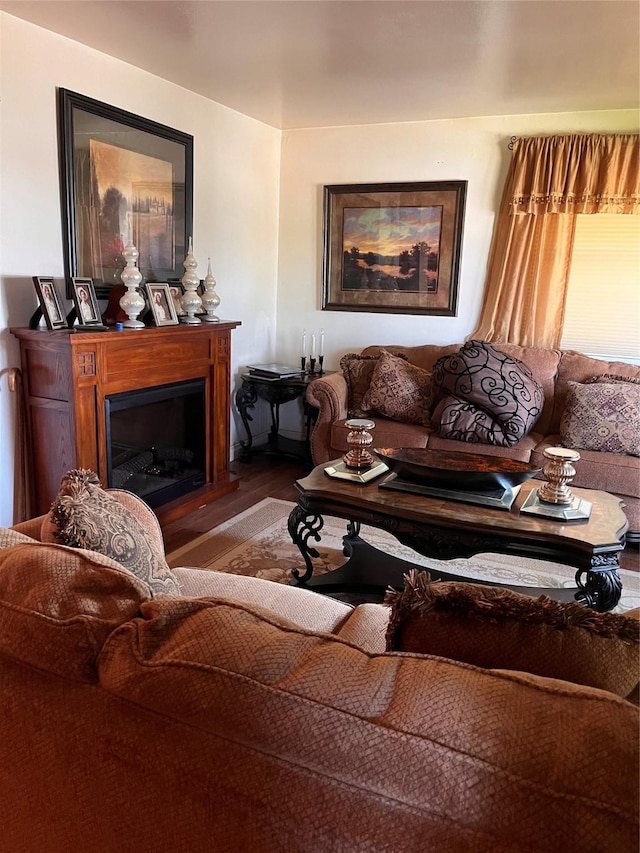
267, 477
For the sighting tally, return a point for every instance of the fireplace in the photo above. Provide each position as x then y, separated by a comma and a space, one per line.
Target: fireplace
70, 379
156, 441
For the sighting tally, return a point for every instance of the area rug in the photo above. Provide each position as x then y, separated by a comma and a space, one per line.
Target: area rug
257, 543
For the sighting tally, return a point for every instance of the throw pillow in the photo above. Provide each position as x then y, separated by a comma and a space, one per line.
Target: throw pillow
602, 416
399, 390
495, 628
463, 421
614, 377
493, 381
357, 371
85, 516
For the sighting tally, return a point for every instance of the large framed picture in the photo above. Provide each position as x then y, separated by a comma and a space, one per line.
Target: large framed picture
393, 248
162, 305
124, 179
85, 303
50, 304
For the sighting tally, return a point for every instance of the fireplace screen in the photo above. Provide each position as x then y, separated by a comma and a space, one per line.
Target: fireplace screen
156, 441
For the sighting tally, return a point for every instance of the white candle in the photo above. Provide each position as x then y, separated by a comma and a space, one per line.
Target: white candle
303, 344
321, 350
313, 346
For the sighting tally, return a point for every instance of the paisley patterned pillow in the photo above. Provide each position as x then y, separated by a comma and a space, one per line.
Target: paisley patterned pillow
87, 517
399, 390
602, 416
357, 371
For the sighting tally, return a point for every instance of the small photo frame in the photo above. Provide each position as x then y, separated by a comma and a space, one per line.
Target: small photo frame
85, 302
50, 303
177, 290
162, 305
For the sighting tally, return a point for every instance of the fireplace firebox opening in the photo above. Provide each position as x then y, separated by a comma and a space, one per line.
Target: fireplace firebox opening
156, 441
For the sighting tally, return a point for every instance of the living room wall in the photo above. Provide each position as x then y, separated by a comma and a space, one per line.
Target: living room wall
475, 150
235, 194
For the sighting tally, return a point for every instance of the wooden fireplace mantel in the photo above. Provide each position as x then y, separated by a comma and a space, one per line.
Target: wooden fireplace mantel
67, 375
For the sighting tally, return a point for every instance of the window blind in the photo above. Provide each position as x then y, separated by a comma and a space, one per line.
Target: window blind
602, 316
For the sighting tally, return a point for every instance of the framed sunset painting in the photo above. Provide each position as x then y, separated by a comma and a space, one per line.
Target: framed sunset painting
393, 248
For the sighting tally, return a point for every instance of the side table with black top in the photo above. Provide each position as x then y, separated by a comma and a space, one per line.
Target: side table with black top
276, 392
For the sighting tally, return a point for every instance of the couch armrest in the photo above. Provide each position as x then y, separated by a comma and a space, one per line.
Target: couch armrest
30, 528
329, 395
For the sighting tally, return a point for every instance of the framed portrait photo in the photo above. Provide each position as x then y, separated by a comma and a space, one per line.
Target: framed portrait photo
50, 303
124, 179
393, 248
162, 307
176, 291
85, 302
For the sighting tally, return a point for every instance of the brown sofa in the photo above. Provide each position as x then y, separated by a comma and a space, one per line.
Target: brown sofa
617, 473
244, 715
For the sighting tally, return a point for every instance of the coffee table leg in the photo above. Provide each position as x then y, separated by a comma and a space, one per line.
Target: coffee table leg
303, 525
601, 587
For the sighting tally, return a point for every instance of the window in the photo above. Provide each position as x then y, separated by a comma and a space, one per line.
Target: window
602, 316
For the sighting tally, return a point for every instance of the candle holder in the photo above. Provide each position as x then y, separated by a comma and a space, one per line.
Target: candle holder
554, 498
559, 471
312, 366
303, 363
320, 363
359, 439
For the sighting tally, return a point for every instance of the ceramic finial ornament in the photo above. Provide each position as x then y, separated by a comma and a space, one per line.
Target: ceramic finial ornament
190, 300
210, 299
131, 302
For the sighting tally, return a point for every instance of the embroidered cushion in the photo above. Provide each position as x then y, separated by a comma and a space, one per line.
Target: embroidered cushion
602, 416
399, 390
496, 628
358, 370
85, 516
496, 383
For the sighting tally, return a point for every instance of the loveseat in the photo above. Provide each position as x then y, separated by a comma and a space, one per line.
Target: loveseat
572, 386
237, 714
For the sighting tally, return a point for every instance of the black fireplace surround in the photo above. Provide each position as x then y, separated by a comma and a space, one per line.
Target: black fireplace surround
156, 441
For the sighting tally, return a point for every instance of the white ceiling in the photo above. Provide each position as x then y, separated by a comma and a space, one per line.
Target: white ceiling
319, 63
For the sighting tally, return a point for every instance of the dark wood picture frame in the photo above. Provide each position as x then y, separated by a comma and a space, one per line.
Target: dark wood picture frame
50, 304
393, 248
123, 178
84, 295
161, 303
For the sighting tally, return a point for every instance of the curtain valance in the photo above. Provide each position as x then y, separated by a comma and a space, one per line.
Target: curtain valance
590, 173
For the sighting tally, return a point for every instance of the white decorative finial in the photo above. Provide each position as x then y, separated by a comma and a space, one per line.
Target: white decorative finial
190, 300
210, 299
131, 302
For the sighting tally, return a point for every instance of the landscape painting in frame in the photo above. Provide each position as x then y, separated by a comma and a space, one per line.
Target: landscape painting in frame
125, 180
393, 247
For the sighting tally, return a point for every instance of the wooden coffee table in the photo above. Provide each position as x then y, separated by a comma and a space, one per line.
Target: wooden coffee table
446, 529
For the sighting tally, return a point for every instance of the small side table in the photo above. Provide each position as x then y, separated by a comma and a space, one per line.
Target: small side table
276, 392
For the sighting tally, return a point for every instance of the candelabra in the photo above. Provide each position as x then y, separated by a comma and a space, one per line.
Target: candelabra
210, 299
190, 300
131, 302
